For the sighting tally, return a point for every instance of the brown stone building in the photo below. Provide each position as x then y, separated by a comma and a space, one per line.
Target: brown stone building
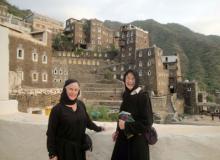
90, 34
75, 30
189, 92
100, 37
172, 63
30, 59
151, 70
41, 23
131, 39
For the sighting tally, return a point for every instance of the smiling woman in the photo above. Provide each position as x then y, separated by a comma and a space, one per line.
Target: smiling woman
67, 124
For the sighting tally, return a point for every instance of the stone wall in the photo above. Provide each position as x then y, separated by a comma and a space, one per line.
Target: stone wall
159, 106
35, 98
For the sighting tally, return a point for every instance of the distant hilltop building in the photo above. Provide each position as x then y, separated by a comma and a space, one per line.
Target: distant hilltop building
40, 23
33, 22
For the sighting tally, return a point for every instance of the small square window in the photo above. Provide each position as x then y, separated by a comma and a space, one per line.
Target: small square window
44, 59
35, 76
20, 54
44, 77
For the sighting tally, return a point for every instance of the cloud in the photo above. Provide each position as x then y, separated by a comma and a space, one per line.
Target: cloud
196, 14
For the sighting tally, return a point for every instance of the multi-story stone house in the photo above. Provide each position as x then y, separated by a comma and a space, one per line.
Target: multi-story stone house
131, 39
75, 30
90, 34
41, 23
150, 68
100, 37
172, 63
30, 59
189, 92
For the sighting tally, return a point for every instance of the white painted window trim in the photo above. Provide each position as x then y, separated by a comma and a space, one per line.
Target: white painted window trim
22, 51
44, 61
44, 80
34, 59
32, 76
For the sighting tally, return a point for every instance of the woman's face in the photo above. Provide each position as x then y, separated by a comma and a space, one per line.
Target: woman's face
72, 90
130, 81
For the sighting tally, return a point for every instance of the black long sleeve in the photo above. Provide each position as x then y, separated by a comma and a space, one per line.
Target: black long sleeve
144, 118
90, 124
51, 131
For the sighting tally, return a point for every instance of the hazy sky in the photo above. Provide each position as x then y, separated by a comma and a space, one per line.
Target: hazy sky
201, 16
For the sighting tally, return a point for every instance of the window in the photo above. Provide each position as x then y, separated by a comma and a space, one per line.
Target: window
35, 76
61, 71
140, 64
129, 54
114, 68
55, 71
121, 76
44, 77
122, 68
149, 73
130, 48
34, 57
140, 54
97, 63
44, 59
149, 63
122, 55
140, 73
149, 53
20, 53
115, 76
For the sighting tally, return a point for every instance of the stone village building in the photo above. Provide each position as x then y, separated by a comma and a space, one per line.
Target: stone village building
90, 34
30, 59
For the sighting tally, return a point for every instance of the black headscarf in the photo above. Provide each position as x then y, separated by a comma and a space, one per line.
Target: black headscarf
64, 99
136, 77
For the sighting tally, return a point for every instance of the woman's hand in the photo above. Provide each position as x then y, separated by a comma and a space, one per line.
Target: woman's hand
114, 136
102, 128
54, 158
121, 124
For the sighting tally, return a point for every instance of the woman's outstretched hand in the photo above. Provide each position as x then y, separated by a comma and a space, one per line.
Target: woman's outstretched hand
114, 136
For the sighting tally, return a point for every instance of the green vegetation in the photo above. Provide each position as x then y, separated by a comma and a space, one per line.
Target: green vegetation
101, 113
62, 43
15, 10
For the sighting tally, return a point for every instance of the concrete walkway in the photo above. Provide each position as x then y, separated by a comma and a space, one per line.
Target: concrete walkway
23, 137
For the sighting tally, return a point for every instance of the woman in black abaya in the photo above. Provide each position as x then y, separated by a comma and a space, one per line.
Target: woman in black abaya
67, 124
137, 103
